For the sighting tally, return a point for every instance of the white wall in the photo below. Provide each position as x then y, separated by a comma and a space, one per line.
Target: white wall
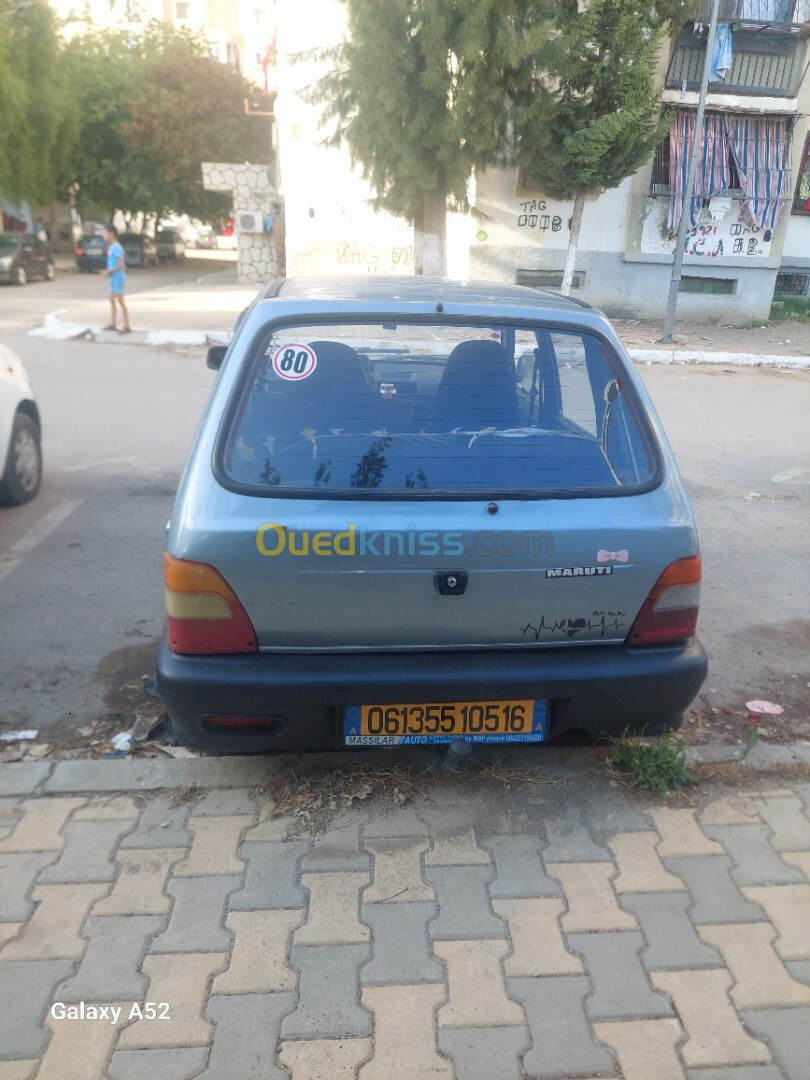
331, 229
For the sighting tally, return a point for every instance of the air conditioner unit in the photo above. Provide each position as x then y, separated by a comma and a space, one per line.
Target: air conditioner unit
250, 221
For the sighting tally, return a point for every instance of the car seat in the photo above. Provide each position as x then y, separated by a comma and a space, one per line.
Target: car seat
478, 389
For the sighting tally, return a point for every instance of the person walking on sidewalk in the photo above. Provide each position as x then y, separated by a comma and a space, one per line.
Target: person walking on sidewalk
116, 272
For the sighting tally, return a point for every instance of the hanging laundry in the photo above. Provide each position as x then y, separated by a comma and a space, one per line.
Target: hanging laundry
719, 206
721, 54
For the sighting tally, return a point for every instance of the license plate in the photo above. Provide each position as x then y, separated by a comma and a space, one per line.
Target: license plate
441, 722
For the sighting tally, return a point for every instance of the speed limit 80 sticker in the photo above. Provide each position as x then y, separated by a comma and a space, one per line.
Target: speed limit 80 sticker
294, 361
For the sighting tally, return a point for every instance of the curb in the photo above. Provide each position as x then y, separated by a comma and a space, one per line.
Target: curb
674, 356
156, 774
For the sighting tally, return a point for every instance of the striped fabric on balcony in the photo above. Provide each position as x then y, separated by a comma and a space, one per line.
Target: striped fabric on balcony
759, 145
712, 169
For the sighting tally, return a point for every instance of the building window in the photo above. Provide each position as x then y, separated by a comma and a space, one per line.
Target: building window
181, 10
713, 285
259, 16
233, 54
801, 200
659, 185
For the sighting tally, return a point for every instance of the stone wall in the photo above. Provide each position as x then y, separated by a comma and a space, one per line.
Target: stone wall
260, 256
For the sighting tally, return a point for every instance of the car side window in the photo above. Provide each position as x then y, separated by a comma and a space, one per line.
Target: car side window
576, 391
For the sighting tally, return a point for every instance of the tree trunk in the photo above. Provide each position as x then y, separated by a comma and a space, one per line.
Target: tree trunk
573, 240
430, 235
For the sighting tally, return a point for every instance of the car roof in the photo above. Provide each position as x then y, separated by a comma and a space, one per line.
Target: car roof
417, 288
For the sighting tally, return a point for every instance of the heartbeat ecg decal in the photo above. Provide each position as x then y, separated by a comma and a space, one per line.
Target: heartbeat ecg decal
601, 622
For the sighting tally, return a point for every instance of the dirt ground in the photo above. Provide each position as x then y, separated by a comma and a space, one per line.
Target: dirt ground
791, 337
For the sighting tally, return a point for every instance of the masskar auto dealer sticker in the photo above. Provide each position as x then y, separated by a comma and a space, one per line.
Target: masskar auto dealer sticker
294, 361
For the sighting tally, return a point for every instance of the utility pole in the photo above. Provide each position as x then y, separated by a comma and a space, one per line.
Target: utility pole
680, 243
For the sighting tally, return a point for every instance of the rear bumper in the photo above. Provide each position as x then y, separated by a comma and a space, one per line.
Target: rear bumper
599, 689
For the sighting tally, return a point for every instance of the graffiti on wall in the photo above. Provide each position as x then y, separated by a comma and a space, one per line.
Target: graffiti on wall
374, 258
733, 235
533, 216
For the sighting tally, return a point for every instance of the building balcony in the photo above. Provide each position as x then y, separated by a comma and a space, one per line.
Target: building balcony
766, 61
760, 14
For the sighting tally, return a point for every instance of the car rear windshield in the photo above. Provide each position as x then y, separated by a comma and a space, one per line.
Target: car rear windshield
418, 409
9, 242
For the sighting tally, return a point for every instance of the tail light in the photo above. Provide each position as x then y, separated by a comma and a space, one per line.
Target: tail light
670, 612
203, 611
77, 251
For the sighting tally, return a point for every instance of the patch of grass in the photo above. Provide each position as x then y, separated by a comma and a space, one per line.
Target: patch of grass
658, 767
790, 307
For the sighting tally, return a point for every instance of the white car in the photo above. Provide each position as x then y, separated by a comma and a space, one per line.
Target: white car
20, 433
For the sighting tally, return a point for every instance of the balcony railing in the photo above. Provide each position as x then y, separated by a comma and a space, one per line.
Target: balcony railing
763, 64
779, 14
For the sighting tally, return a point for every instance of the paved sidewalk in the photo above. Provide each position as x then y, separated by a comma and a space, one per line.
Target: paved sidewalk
552, 928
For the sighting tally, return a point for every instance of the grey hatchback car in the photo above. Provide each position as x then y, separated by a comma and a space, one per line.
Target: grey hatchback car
419, 510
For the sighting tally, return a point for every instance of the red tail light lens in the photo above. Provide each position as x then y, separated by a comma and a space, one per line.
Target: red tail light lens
670, 612
203, 611
77, 251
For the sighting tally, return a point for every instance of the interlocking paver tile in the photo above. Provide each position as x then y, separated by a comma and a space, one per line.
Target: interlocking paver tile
640, 868
327, 993
716, 898
761, 979
213, 850
17, 874
40, 824
737, 809
562, 1044
787, 1032
245, 1036
569, 839
198, 915
715, 1034
109, 970
9, 931
78, 1048
799, 969
755, 861
477, 995
519, 868
538, 947
261, 944
404, 1034
339, 847
182, 981
53, 930
455, 843
333, 915
26, 990
161, 825
621, 989
87, 855
681, 835
272, 828
400, 822
223, 802
791, 828
140, 887
592, 904
485, 1053
738, 1072
398, 871
646, 1049
108, 808
324, 1059
799, 859
672, 940
272, 874
464, 910
400, 944
171, 1064
788, 908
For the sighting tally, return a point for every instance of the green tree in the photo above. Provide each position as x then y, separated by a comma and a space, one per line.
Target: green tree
600, 105
38, 114
421, 91
153, 107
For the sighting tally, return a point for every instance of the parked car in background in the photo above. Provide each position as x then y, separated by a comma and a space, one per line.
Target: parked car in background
20, 433
139, 250
91, 254
24, 256
419, 510
204, 237
170, 245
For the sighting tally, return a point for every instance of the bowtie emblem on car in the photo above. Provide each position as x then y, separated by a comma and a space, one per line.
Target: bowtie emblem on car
603, 556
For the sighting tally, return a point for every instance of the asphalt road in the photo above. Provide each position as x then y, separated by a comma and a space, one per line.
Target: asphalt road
80, 566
